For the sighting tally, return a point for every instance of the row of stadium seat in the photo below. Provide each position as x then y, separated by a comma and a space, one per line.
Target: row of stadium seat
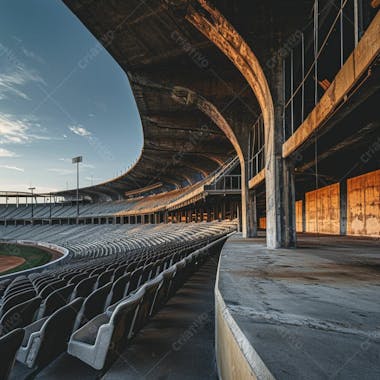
84, 294
111, 239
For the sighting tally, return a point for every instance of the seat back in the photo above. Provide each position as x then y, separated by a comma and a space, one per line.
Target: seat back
55, 300
4, 285
146, 274
16, 290
20, 315
119, 289
179, 277
120, 271
132, 266
56, 332
104, 278
85, 287
123, 318
9, 344
16, 299
93, 305
164, 290
48, 289
78, 278
135, 280
147, 303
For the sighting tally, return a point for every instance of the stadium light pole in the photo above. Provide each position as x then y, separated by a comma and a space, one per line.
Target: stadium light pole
77, 160
32, 189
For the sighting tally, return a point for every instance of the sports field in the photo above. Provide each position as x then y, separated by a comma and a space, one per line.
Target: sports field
14, 257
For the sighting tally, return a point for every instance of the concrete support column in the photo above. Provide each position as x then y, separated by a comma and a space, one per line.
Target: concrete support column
223, 209
343, 207
247, 222
253, 213
289, 235
279, 174
304, 212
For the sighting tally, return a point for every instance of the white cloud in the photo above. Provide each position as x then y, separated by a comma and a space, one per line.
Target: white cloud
19, 130
7, 153
79, 130
12, 168
12, 130
13, 78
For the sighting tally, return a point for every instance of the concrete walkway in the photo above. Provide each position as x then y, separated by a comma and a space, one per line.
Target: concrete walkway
309, 313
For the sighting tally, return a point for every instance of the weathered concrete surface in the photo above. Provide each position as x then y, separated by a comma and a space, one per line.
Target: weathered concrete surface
310, 313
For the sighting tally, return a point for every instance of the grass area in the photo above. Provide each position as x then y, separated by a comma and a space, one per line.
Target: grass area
33, 256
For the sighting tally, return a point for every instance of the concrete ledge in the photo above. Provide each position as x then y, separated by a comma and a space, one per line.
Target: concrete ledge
235, 356
305, 313
257, 179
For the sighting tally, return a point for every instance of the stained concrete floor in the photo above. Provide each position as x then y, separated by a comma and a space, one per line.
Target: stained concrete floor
178, 343
310, 313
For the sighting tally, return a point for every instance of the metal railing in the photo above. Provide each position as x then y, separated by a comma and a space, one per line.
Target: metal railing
318, 53
256, 148
227, 182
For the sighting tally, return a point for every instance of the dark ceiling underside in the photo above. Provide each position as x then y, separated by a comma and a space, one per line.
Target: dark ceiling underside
152, 41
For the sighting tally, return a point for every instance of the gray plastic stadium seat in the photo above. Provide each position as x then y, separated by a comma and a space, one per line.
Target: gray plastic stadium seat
84, 287
48, 289
17, 289
179, 277
147, 303
119, 289
164, 291
3, 286
134, 282
146, 275
47, 338
101, 339
16, 299
55, 300
93, 305
78, 278
9, 344
104, 278
20, 315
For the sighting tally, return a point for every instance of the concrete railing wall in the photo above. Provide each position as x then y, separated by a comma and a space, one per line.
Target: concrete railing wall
50, 265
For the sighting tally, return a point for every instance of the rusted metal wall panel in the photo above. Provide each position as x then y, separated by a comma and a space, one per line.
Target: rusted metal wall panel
299, 206
363, 198
323, 210
263, 223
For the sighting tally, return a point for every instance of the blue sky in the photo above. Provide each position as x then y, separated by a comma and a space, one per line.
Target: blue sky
61, 95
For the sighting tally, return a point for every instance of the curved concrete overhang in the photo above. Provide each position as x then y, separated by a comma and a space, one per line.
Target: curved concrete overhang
160, 42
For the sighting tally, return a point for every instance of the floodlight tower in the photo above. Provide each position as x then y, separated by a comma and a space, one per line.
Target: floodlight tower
77, 160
